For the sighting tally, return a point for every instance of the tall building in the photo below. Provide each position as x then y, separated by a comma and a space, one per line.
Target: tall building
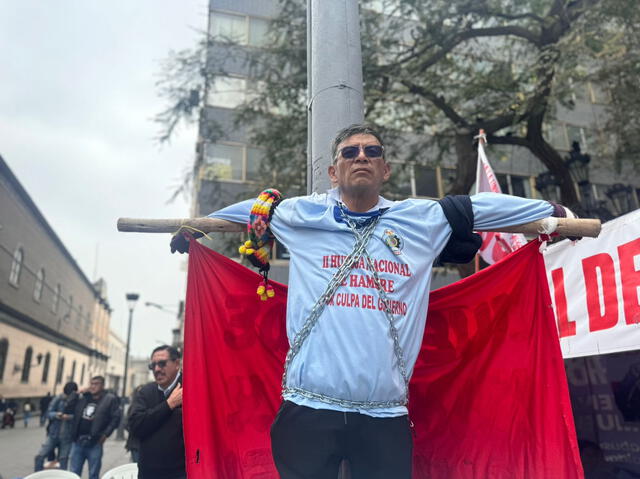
54, 322
227, 164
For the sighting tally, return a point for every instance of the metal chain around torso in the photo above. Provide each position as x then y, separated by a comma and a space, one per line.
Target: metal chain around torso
359, 250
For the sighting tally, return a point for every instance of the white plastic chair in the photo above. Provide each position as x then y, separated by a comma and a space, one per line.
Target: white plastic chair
53, 474
128, 471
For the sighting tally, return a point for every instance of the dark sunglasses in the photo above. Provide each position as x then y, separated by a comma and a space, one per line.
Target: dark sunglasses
161, 364
370, 151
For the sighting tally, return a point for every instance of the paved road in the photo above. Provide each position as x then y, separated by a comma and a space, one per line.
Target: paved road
19, 446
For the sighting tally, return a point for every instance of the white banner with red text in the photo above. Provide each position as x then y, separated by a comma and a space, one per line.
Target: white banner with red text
594, 285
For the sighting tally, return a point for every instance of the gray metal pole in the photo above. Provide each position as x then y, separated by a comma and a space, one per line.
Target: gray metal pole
334, 78
123, 399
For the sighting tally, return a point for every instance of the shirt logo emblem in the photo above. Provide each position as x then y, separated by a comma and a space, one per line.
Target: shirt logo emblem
393, 241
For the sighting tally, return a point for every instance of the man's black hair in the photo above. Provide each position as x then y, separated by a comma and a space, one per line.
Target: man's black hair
69, 388
174, 353
98, 378
355, 129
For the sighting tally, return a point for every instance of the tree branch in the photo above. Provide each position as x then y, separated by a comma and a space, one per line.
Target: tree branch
460, 37
438, 101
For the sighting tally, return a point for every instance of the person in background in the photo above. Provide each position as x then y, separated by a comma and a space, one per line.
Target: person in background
8, 407
44, 405
26, 412
96, 416
60, 414
156, 418
133, 443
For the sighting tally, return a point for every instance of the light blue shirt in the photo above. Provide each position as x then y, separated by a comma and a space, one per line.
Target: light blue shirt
349, 353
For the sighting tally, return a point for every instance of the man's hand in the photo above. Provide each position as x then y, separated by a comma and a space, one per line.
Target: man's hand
175, 398
65, 417
102, 439
180, 241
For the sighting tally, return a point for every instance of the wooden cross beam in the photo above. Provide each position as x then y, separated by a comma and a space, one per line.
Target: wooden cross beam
584, 227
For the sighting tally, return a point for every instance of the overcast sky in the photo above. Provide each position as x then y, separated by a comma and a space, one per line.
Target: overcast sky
77, 95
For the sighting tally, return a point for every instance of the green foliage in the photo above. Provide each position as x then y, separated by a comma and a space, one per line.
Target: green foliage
435, 71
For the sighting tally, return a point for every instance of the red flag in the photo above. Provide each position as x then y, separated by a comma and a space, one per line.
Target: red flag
488, 395
495, 246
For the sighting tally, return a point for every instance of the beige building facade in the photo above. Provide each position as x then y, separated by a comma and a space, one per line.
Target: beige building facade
115, 363
54, 322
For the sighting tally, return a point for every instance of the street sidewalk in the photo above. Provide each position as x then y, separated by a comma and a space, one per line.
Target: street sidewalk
19, 446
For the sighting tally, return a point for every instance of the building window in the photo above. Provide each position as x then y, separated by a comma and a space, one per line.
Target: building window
448, 177
514, 185
599, 95
227, 92
60, 370
225, 27
231, 162
45, 368
16, 266
37, 290
70, 312
4, 350
80, 316
26, 365
240, 29
252, 164
556, 135
72, 377
281, 251
258, 32
56, 299
426, 181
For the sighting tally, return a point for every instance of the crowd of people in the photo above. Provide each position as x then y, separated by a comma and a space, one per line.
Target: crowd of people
78, 422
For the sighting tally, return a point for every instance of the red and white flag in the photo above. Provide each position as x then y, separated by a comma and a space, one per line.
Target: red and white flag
495, 246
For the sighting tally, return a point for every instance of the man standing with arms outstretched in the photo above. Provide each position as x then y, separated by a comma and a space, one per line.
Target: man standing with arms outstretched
347, 372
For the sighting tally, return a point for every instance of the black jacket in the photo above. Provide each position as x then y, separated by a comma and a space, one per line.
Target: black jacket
463, 243
106, 419
159, 429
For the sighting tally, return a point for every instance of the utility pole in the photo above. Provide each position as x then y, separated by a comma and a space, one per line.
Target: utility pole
132, 298
334, 76
334, 88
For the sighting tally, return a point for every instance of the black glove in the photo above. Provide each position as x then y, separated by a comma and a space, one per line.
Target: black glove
180, 241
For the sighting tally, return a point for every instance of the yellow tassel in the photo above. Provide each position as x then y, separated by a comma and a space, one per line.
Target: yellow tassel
260, 290
250, 251
263, 297
248, 244
271, 293
242, 249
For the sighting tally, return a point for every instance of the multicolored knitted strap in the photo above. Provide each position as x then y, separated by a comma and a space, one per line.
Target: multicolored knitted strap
258, 247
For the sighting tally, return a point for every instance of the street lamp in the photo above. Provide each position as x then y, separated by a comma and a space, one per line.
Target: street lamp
620, 196
547, 185
578, 164
132, 298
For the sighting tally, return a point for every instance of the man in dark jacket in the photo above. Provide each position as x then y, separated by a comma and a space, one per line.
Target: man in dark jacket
97, 414
44, 406
156, 418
